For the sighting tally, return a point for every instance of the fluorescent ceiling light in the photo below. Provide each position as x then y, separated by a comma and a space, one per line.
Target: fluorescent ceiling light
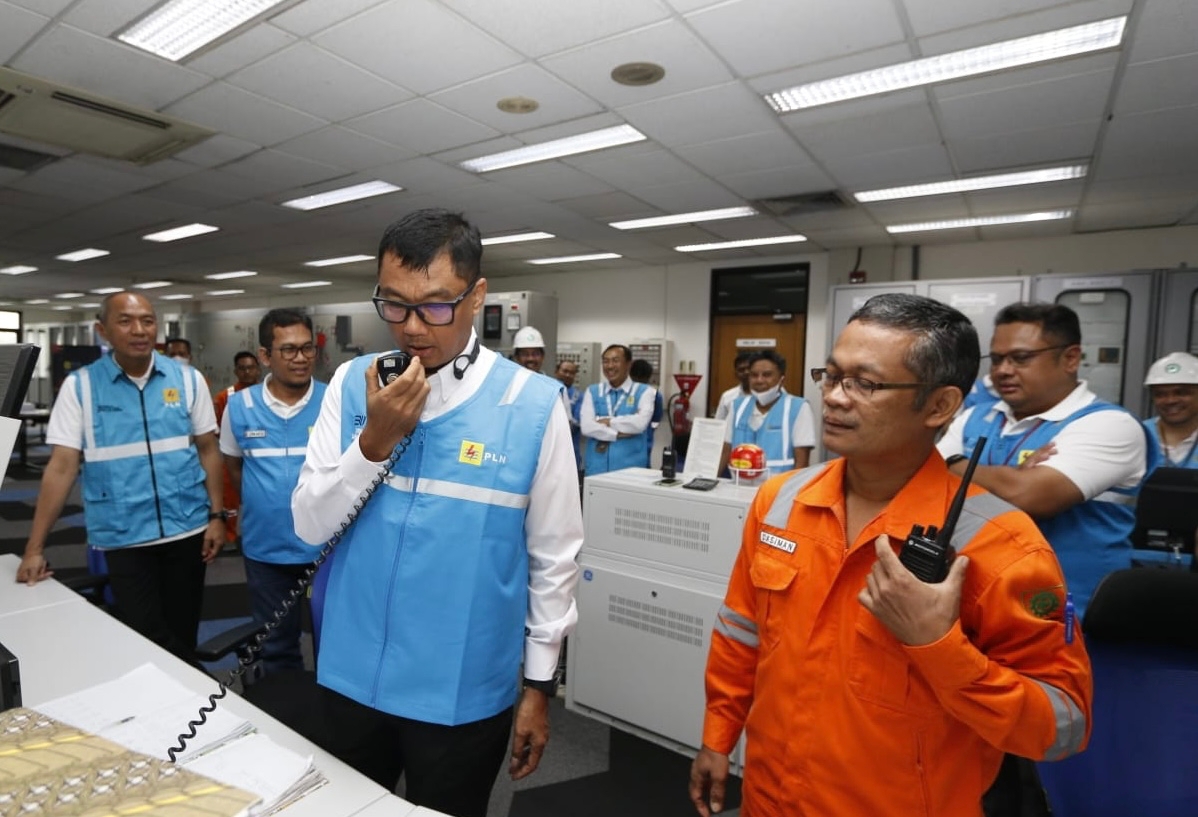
153, 285
684, 218
582, 143
981, 221
17, 269
176, 233
83, 255
37, 301
217, 292
748, 242
181, 27
344, 259
89, 305
62, 308
341, 196
1052, 45
306, 284
570, 259
105, 290
70, 295
509, 239
1048, 174
224, 276
179, 296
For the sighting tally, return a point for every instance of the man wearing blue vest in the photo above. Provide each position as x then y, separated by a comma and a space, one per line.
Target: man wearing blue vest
771, 417
1173, 383
264, 437
615, 413
143, 428
1073, 462
461, 564
566, 371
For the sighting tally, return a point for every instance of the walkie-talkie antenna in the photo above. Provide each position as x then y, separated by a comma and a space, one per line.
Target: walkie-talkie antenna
954, 511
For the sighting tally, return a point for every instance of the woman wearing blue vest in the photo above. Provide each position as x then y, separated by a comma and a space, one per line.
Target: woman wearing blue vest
1173, 383
461, 567
614, 416
769, 416
264, 436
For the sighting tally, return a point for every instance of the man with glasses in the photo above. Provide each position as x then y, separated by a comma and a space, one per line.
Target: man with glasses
615, 413
461, 565
1073, 462
264, 437
859, 688
248, 373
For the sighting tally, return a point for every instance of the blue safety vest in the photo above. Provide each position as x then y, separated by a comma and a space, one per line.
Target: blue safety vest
1091, 539
142, 478
774, 435
427, 596
574, 396
626, 452
272, 451
1154, 441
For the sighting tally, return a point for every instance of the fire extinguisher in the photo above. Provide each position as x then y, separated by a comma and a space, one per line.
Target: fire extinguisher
680, 413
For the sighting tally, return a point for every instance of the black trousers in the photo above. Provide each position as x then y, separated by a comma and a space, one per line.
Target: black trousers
451, 769
158, 591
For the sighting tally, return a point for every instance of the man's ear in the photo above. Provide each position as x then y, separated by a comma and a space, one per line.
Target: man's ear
1071, 358
942, 406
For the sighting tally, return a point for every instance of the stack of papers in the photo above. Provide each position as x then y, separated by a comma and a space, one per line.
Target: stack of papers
146, 709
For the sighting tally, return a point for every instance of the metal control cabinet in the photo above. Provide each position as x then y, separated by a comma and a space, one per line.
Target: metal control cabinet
655, 563
586, 357
506, 313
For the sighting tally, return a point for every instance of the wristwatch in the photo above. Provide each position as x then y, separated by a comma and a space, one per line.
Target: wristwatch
221, 515
548, 687
954, 459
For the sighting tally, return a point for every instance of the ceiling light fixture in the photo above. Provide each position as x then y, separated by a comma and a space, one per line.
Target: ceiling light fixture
153, 285
342, 195
748, 242
332, 262
219, 292
89, 305
83, 255
178, 296
224, 276
510, 239
70, 295
981, 221
62, 308
176, 233
570, 259
556, 149
1051, 45
37, 301
1017, 179
17, 269
106, 290
684, 218
181, 27
306, 284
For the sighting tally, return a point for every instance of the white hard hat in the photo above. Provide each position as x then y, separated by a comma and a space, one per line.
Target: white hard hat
528, 338
1175, 369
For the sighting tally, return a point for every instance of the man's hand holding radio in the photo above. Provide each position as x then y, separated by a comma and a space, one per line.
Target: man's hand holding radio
392, 412
916, 612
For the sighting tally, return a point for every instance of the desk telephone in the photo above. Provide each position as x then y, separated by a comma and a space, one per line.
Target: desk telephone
929, 553
390, 366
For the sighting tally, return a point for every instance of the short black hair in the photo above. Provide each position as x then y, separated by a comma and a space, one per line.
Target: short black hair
244, 353
772, 357
743, 357
945, 351
279, 318
184, 341
419, 237
641, 371
1058, 323
624, 350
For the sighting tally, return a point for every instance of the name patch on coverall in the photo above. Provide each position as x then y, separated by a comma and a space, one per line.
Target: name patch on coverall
777, 542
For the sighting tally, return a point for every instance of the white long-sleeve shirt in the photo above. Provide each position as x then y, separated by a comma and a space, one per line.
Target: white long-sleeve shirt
621, 424
331, 481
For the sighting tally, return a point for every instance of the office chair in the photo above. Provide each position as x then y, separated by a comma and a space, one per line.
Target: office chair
1141, 631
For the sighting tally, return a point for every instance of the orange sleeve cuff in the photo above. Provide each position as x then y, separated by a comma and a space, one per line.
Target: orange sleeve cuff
951, 662
718, 734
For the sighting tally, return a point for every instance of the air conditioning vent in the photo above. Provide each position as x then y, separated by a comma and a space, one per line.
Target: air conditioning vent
41, 111
804, 203
26, 161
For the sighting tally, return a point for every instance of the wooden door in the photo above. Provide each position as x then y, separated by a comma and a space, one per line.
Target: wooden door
731, 334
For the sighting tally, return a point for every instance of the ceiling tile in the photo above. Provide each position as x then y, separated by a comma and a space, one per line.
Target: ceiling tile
550, 181
1037, 22
1035, 75
933, 16
854, 217
106, 67
338, 146
702, 116
744, 154
280, 171
247, 116
76, 179
906, 166
370, 41
306, 19
216, 150
478, 99
1035, 229
785, 180
1143, 187
422, 126
19, 26
610, 207
1149, 144
1152, 86
856, 237
632, 171
688, 62
909, 126
688, 196
312, 80
543, 27
1050, 104
756, 36
1131, 214
245, 49
1058, 195
47, 8
106, 17
931, 208
424, 175
1165, 28
1056, 144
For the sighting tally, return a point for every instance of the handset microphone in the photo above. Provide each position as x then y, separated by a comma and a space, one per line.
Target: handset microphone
928, 553
391, 365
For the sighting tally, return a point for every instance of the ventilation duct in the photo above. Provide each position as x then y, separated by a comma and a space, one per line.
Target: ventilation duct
41, 111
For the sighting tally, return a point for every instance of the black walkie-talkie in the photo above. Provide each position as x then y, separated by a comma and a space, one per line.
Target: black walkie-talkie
928, 553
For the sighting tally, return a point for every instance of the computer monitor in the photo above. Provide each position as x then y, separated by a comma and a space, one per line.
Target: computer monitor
16, 370
10, 680
1167, 511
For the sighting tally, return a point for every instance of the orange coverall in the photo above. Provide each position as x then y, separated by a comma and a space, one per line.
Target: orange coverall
232, 498
843, 719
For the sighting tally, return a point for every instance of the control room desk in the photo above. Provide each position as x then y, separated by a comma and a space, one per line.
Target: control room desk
64, 644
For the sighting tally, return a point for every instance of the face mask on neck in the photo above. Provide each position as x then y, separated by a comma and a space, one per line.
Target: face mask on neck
180, 358
769, 395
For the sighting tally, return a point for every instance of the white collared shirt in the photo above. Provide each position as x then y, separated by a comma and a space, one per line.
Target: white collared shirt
622, 424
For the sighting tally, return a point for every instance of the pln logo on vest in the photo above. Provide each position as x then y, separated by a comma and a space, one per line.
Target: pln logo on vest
472, 453
170, 397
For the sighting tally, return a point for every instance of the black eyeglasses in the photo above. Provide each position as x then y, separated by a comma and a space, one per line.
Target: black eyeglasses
1022, 357
857, 386
435, 314
289, 352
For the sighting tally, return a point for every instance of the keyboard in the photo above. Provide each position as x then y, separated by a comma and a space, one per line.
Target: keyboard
702, 484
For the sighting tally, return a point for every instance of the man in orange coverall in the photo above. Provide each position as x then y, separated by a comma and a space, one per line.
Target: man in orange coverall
862, 690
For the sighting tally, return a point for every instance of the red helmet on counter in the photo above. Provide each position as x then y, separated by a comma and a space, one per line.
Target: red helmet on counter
747, 461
